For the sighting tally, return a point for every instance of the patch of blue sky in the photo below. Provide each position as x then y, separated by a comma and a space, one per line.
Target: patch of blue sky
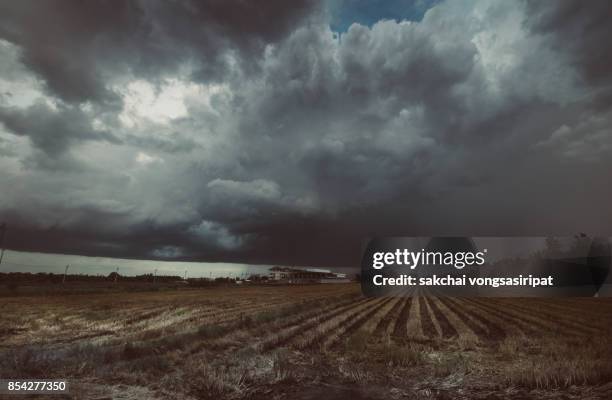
367, 12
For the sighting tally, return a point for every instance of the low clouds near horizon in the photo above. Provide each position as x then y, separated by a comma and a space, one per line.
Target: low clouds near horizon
242, 132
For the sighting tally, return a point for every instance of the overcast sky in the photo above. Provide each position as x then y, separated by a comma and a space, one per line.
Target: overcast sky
287, 132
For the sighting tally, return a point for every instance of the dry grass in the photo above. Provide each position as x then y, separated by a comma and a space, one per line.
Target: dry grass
237, 376
242, 342
358, 342
561, 363
408, 355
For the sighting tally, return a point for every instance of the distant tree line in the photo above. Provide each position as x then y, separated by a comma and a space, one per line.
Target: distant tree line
49, 277
52, 278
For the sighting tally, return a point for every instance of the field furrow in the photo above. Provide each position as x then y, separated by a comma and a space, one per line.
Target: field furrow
447, 330
318, 333
586, 317
555, 322
304, 323
350, 325
483, 328
414, 326
531, 322
401, 324
430, 330
374, 323
459, 326
385, 327
497, 318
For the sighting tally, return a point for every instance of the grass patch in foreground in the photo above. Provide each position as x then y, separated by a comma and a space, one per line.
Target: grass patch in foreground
563, 363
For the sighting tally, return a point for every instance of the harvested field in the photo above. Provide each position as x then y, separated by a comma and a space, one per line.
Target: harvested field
297, 341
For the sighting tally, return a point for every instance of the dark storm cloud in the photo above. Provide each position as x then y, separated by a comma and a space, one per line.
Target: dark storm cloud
223, 131
49, 130
581, 28
173, 143
75, 46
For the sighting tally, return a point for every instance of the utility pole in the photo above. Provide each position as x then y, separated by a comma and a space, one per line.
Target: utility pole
2, 233
65, 272
185, 278
155, 275
116, 274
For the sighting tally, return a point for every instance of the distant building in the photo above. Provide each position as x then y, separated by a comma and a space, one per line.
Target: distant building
309, 275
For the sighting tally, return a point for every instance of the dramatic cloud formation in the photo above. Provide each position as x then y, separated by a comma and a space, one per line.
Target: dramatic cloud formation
244, 132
